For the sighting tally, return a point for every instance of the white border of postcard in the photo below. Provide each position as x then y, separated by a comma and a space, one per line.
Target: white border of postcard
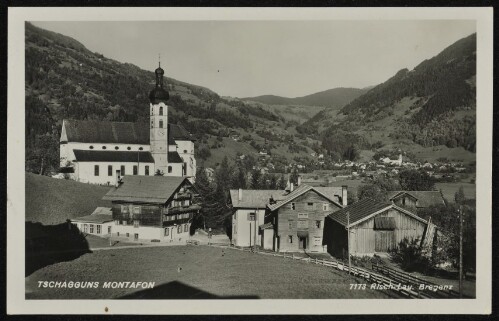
16, 302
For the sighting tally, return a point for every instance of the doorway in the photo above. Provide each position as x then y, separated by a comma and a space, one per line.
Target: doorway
302, 243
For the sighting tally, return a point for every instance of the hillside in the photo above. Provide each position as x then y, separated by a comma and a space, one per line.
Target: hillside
432, 105
333, 98
52, 201
64, 79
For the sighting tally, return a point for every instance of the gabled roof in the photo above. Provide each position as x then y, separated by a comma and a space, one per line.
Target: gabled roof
364, 209
300, 190
94, 218
113, 156
255, 198
146, 189
108, 132
102, 210
424, 198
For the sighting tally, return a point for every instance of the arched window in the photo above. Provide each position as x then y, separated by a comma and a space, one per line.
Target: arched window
152, 123
169, 169
152, 110
160, 123
161, 111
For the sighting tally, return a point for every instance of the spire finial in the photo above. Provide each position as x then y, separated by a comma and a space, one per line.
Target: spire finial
159, 59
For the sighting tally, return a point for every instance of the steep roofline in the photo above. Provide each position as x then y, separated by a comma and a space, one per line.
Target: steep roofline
276, 206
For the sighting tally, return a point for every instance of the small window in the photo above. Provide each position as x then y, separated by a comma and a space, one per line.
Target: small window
135, 170
104, 147
116, 147
91, 228
147, 170
136, 210
135, 223
179, 229
186, 227
290, 238
161, 111
117, 233
185, 151
122, 170
127, 234
91, 147
124, 209
117, 222
251, 216
302, 224
290, 224
310, 206
318, 224
136, 236
85, 228
125, 223
325, 207
302, 215
99, 227
141, 148
293, 206
167, 231
169, 169
152, 123
110, 170
160, 123
129, 148
109, 230
96, 170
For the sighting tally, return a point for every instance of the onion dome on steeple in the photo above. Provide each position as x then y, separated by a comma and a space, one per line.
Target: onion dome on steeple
158, 94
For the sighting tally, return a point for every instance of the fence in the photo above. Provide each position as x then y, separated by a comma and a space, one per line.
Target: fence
388, 279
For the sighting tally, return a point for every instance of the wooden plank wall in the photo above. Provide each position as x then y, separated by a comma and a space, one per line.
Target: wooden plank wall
150, 215
362, 237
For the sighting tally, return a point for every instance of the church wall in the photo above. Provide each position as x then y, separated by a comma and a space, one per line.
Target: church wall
186, 151
176, 169
66, 150
85, 171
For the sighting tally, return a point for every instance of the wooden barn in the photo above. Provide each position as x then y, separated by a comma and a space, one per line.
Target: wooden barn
375, 227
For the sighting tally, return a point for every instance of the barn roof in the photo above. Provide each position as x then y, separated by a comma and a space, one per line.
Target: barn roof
254, 198
424, 198
93, 131
365, 208
146, 189
113, 156
300, 190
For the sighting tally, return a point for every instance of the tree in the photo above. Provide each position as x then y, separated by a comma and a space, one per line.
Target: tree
281, 184
377, 189
293, 178
43, 156
239, 180
414, 180
256, 176
459, 196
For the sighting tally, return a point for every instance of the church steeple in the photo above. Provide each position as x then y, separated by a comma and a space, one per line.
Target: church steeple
159, 94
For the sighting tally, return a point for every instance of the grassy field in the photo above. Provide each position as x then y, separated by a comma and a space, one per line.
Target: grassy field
195, 272
52, 201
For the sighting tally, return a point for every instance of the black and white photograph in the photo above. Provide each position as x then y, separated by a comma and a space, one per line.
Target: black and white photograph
250, 156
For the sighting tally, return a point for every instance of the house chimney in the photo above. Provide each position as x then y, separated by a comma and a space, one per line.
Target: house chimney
344, 200
292, 187
298, 183
240, 194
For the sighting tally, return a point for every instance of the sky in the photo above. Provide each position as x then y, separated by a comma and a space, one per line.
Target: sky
285, 58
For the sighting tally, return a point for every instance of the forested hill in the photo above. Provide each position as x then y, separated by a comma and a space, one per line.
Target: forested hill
332, 98
64, 79
433, 104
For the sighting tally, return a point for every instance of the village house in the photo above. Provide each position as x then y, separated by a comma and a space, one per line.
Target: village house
375, 227
249, 208
396, 162
152, 208
297, 221
416, 199
99, 223
100, 152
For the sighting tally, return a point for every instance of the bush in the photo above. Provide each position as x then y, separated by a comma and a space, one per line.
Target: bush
409, 256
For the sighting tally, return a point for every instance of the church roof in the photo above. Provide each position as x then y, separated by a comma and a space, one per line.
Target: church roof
146, 189
93, 131
112, 156
174, 157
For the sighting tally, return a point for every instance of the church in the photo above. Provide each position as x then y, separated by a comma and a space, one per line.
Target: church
101, 152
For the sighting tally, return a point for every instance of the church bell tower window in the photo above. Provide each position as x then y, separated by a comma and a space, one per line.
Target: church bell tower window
160, 123
161, 111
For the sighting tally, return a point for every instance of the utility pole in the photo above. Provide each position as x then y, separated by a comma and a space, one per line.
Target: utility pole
460, 251
348, 245
254, 232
